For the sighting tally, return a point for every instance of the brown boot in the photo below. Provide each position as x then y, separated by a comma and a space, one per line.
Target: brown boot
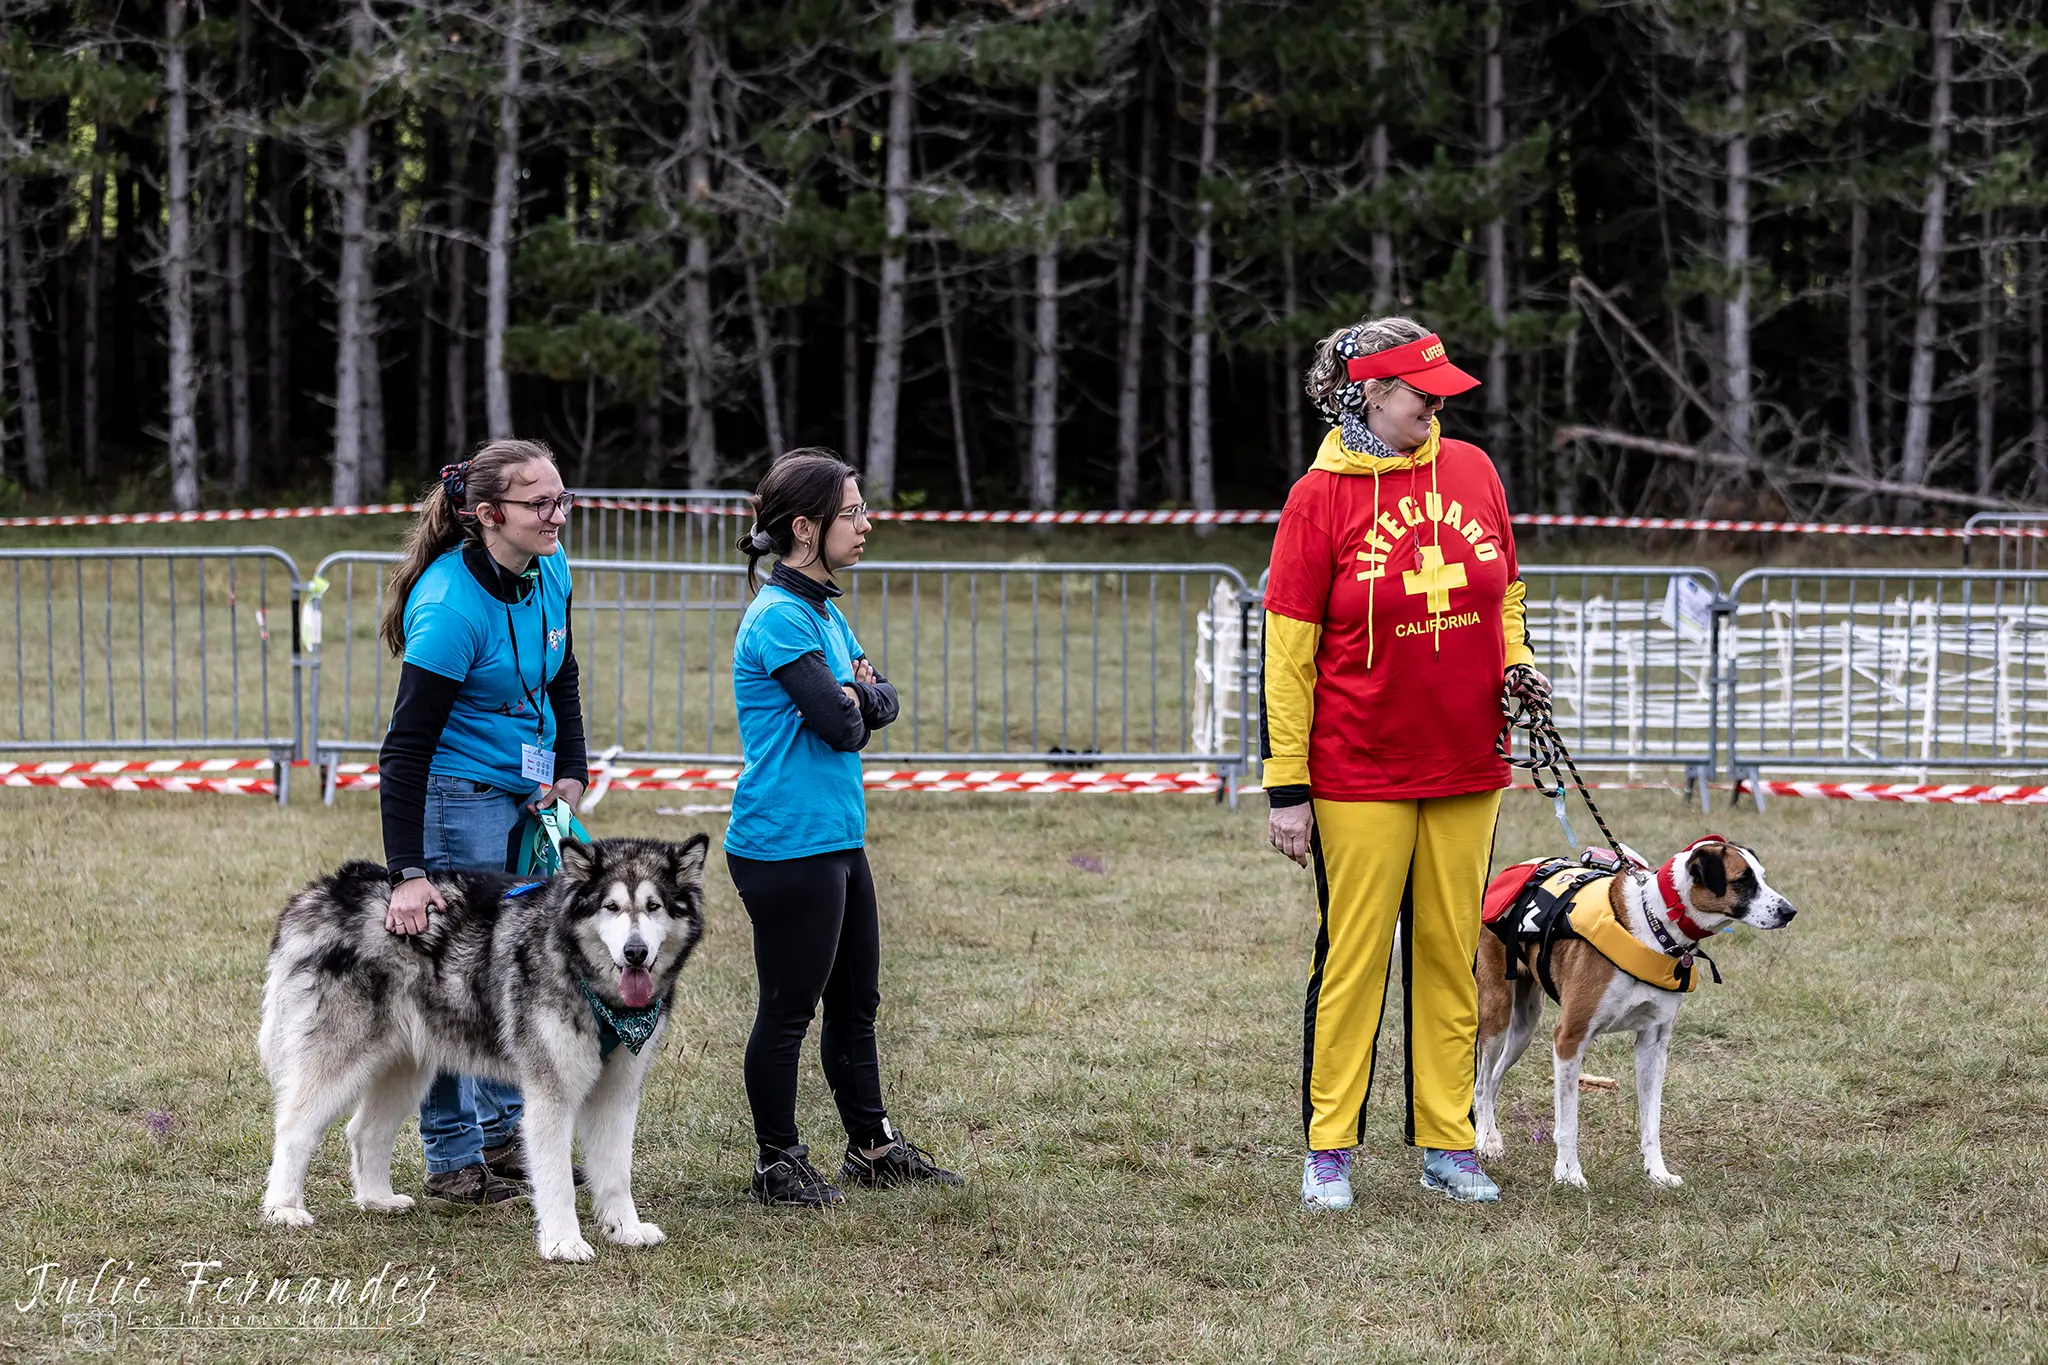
509, 1163
473, 1186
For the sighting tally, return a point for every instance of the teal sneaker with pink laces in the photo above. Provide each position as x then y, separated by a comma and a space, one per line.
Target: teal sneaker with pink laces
1457, 1174
1326, 1181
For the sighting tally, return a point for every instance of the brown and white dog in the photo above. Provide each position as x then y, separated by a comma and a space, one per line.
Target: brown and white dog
1690, 898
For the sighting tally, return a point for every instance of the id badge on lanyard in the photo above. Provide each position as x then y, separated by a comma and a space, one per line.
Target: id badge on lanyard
535, 763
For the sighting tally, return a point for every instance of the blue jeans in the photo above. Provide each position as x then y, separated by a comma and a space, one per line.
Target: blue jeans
468, 828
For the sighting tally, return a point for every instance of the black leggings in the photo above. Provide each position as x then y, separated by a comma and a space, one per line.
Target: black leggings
816, 936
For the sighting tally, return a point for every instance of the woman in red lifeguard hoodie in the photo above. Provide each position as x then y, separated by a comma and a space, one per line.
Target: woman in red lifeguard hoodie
1393, 622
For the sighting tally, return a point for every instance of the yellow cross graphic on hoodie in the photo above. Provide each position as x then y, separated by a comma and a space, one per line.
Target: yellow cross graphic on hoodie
1434, 578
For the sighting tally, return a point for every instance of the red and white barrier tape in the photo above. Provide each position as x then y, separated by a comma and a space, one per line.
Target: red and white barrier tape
224, 786
1956, 794
151, 767
363, 777
1164, 517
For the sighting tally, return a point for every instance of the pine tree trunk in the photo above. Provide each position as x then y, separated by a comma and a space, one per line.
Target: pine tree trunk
237, 282
219, 440
1860, 456
1045, 340
1377, 160
885, 391
498, 255
1913, 453
1740, 406
951, 342
371, 478
277, 311
351, 283
1131, 374
1495, 236
35, 458
700, 434
423, 349
2037, 368
849, 360
647, 430
1020, 377
764, 364
95, 228
1201, 457
1295, 459
1173, 469
6, 331
178, 264
456, 358
792, 370
1986, 378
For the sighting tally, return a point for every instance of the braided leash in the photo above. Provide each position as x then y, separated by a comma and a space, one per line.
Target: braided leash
1527, 708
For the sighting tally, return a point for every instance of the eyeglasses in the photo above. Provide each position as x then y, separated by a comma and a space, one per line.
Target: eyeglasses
543, 508
1429, 400
853, 513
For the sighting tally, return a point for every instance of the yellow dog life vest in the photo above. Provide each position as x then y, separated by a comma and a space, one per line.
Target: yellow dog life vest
1567, 904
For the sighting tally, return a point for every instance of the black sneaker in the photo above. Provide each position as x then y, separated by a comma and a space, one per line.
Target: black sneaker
788, 1179
472, 1185
509, 1163
902, 1163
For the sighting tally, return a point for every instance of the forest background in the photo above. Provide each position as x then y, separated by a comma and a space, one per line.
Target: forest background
1732, 256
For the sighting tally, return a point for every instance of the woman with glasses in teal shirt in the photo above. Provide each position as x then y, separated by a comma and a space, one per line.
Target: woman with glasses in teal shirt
808, 699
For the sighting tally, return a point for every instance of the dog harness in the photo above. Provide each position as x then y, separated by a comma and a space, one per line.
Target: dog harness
1537, 903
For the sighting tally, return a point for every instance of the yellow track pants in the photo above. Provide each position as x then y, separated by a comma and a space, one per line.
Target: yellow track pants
1421, 864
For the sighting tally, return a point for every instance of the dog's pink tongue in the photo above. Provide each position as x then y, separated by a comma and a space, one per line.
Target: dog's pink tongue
636, 987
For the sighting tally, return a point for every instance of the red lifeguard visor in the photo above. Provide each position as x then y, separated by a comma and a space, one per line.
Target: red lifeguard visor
1420, 364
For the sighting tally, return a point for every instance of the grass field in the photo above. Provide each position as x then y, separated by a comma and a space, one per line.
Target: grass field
1091, 1007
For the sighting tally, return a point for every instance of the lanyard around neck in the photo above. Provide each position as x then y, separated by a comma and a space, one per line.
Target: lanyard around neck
518, 672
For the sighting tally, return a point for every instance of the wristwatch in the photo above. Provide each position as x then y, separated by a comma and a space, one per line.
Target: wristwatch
406, 874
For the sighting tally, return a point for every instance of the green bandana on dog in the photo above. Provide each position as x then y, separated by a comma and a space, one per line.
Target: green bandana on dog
615, 1026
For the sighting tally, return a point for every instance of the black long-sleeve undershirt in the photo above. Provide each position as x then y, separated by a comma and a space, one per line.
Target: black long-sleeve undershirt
425, 699
833, 716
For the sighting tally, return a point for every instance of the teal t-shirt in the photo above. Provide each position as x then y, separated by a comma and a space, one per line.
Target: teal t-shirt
797, 795
455, 628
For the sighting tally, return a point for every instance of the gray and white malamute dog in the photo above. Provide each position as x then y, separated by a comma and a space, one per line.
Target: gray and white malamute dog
563, 990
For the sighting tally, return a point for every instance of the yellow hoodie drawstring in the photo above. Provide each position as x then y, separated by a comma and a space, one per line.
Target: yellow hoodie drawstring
1386, 561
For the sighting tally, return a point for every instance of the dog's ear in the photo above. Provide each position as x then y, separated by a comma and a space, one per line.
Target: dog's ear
580, 860
1709, 868
686, 860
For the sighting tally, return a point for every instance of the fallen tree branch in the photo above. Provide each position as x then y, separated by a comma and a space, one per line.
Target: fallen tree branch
1719, 459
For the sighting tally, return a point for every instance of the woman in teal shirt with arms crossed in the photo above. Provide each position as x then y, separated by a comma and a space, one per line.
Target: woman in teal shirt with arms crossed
807, 700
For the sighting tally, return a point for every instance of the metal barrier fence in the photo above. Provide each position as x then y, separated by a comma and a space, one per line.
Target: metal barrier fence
694, 526
175, 650
1856, 669
2007, 552
154, 649
1062, 665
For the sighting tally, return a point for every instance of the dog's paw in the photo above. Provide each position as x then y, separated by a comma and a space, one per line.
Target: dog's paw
1665, 1178
1573, 1177
570, 1248
288, 1217
387, 1203
1493, 1147
635, 1235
